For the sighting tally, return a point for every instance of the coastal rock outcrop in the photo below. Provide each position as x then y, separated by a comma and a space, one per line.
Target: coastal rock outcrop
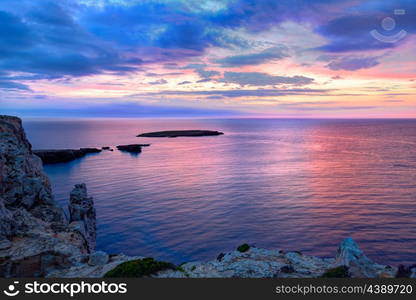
259, 263
82, 216
359, 265
35, 237
133, 148
63, 155
251, 263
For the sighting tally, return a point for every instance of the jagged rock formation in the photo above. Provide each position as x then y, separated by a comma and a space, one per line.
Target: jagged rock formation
82, 215
359, 265
35, 237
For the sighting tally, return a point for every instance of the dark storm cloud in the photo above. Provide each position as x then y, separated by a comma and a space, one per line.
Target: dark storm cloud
260, 15
44, 41
165, 24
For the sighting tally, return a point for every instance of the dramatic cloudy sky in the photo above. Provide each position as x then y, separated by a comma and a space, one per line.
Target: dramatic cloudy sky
286, 58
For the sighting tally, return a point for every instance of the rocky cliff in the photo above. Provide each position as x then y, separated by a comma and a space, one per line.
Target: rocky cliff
35, 236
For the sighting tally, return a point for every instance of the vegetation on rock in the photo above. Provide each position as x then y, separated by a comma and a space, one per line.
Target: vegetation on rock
337, 272
139, 268
243, 248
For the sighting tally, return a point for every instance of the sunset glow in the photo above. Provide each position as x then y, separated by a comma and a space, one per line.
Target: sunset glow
207, 58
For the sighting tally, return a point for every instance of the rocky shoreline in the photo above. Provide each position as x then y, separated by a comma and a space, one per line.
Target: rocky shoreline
349, 261
66, 155
38, 240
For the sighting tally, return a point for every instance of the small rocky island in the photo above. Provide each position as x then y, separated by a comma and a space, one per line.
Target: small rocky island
37, 239
177, 133
132, 148
63, 155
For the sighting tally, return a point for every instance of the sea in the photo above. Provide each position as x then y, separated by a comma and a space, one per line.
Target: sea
290, 184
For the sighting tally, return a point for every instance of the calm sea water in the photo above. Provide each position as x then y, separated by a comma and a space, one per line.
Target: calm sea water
287, 184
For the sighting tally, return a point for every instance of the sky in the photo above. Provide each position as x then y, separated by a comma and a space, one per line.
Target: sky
196, 58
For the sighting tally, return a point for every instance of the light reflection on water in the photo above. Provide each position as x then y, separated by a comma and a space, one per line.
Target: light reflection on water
288, 184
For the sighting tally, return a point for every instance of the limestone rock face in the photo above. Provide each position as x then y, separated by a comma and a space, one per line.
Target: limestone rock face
34, 234
82, 214
22, 180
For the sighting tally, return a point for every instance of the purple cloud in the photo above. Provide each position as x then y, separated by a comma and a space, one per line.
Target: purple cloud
353, 63
274, 53
12, 85
156, 82
239, 92
261, 79
184, 82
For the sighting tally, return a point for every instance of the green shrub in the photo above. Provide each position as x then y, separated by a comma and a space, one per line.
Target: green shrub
338, 272
180, 269
243, 248
139, 268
